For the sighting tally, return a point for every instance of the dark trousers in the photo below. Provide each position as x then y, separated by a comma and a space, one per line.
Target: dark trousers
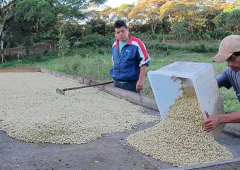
131, 86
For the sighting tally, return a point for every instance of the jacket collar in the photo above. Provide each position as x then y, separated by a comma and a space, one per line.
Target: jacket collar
128, 43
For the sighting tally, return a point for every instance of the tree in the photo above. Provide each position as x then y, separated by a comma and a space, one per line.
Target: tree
181, 11
97, 26
167, 10
237, 3
110, 15
30, 17
210, 9
180, 29
148, 11
35, 17
6, 10
123, 11
107, 14
63, 46
229, 19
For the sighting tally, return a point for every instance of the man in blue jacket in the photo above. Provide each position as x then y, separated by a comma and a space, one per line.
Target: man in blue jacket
130, 59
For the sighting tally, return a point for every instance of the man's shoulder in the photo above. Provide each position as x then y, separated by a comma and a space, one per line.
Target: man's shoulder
137, 42
136, 39
114, 43
229, 72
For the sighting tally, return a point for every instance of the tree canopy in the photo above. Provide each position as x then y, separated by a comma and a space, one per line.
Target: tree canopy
25, 22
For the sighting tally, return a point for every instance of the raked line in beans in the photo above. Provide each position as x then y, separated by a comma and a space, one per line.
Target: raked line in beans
32, 111
180, 139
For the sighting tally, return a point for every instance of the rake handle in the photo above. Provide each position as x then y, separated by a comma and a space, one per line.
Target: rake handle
73, 88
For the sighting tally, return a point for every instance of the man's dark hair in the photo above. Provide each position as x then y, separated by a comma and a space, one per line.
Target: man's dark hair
236, 53
120, 23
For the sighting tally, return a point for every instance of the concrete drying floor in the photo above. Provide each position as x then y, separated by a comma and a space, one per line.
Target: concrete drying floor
108, 152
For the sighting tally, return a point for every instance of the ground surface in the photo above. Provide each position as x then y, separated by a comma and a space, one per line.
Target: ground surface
108, 152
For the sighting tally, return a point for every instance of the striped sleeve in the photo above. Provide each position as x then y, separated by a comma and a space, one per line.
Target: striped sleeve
142, 51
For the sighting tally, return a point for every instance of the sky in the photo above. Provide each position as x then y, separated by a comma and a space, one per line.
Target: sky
117, 3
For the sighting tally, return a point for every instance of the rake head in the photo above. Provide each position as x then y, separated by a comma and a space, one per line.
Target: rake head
60, 91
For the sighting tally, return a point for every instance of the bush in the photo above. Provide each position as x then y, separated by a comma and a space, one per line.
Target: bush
199, 48
9, 57
168, 52
160, 37
140, 35
101, 51
207, 36
152, 36
38, 57
202, 48
95, 40
170, 37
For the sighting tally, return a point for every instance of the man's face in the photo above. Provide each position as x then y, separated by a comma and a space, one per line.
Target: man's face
122, 34
234, 63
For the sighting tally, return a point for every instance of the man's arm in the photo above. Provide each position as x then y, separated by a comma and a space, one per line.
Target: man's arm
213, 121
140, 81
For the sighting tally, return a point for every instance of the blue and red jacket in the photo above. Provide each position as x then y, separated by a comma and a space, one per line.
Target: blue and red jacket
126, 66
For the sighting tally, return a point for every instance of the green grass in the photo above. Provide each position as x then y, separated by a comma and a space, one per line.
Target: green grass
96, 63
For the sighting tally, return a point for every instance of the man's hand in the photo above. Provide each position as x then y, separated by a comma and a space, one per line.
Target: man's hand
174, 78
211, 122
139, 85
